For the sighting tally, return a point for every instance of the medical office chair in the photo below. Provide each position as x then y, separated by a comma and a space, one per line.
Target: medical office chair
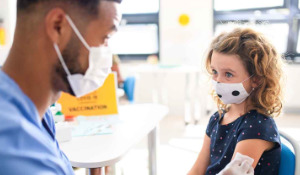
129, 85
290, 159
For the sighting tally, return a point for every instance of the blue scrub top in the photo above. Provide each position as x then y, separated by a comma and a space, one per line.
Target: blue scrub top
27, 143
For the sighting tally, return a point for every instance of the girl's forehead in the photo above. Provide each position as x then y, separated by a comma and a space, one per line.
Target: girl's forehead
226, 61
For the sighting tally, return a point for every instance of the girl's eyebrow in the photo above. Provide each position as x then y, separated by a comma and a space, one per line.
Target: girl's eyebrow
226, 69
230, 70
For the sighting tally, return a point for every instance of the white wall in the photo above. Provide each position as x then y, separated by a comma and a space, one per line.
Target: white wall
8, 14
178, 45
291, 88
185, 44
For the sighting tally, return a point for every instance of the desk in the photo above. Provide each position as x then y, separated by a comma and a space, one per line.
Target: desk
137, 121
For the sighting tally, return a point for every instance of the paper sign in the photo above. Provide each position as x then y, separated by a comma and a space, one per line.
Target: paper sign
100, 102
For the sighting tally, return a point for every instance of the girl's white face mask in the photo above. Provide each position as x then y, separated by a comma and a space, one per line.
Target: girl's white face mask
100, 63
231, 93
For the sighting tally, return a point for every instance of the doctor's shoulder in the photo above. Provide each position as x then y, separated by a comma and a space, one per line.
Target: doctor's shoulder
10, 116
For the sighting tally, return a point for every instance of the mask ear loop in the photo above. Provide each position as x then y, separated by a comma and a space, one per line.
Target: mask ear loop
73, 26
61, 59
253, 87
251, 91
257, 86
248, 78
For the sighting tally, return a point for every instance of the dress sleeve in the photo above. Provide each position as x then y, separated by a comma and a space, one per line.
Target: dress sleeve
258, 126
212, 122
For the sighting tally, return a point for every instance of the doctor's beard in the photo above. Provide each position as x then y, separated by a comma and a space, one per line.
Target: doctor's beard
71, 57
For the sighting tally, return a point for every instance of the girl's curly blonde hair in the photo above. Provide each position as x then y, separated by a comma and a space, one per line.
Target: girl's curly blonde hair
261, 60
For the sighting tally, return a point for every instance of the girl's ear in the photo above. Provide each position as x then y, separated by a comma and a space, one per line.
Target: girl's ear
255, 81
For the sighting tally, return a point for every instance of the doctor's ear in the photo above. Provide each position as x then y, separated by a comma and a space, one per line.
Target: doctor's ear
57, 27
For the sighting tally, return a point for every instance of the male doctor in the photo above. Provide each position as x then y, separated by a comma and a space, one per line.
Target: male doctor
59, 45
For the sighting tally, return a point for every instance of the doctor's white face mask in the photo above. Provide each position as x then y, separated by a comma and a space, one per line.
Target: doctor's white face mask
231, 93
100, 63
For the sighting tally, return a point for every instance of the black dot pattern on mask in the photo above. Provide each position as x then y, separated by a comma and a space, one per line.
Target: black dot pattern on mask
220, 96
235, 93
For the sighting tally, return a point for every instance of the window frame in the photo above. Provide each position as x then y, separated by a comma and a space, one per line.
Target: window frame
143, 18
285, 5
292, 18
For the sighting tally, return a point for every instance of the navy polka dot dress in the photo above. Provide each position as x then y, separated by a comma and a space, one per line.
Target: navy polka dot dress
249, 126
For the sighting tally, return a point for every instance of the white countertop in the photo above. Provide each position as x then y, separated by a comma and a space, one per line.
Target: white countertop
102, 150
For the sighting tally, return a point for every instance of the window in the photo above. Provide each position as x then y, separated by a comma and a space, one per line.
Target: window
138, 36
277, 33
136, 39
298, 42
140, 6
279, 20
228, 5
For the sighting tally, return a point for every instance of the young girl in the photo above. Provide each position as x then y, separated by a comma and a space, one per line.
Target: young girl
246, 75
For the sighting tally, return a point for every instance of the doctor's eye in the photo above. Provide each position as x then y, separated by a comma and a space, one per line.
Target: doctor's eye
228, 75
107, 37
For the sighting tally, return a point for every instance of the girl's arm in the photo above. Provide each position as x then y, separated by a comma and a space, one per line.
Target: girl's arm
203, 159
253, 148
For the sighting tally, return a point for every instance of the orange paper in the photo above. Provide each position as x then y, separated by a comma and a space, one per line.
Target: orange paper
100, 102
2, 36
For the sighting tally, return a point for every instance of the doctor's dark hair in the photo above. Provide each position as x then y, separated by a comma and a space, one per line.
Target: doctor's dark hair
261, 60
90, 6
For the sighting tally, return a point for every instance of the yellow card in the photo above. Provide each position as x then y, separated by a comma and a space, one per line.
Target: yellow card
100, 102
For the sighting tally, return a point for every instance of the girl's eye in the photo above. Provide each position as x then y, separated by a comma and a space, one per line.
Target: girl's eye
228, 75
214, 72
